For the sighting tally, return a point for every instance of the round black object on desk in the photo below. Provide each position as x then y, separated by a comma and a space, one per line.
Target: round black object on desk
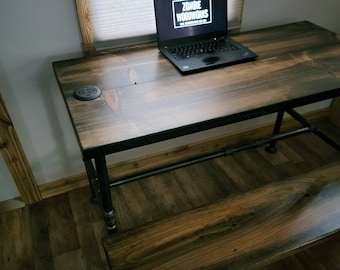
87, 92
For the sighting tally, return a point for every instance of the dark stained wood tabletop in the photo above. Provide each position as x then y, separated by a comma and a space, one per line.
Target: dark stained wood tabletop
243, 231
146, 100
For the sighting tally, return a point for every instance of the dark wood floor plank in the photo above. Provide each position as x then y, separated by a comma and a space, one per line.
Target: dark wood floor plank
194, 190
166, 195
65, 232
61, 225
215, 172
291, 154
16, 241
313, 150
252, 162
81, 210
243, 180
43, 257
206, 182
125, 219
137, 202
72, 260
331, 129
274, 159
282, 163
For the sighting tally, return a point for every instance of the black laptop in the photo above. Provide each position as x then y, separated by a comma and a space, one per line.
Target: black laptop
193, 35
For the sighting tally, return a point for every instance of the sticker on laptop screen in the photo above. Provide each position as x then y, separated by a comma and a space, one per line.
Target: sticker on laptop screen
187, 13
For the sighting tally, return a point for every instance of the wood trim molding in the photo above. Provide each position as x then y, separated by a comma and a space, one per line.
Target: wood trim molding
85, 25
63, 185
175, 155
16, 160
335, 112
11, 205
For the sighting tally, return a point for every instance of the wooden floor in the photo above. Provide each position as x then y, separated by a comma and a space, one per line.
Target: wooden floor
65, 232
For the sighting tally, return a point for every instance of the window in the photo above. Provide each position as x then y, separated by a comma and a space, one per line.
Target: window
108, 23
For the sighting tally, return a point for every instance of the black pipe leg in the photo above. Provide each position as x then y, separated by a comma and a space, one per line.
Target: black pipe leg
104, 194
318, 132
271, 148
92, 177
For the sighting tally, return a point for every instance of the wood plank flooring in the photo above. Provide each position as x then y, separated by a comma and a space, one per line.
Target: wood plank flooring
65, 232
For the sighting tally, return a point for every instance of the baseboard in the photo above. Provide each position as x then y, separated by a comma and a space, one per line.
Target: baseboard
176, 154
10, 205
63, 185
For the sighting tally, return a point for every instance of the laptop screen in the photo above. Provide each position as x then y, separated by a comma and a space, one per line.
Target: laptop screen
177, 19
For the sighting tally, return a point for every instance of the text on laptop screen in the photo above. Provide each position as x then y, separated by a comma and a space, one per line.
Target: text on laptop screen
186, 18
191, 13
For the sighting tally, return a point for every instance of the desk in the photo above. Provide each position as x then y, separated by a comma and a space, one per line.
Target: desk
146, 100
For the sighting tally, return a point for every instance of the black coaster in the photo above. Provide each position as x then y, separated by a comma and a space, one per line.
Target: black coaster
87, 92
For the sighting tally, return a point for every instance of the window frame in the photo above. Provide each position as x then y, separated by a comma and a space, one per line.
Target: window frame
87, 31
85, 25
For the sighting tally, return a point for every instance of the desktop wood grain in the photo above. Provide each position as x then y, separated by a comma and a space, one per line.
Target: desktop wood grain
245, 231
144, 96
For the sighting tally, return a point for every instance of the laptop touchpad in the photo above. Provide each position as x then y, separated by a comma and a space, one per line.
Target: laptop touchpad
211, 60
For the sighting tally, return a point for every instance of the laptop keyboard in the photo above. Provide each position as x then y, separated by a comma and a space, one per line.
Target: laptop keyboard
210, 46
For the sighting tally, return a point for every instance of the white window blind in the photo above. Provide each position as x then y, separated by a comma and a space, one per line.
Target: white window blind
122, 19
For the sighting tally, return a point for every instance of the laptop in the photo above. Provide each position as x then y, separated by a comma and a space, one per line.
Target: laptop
193, 35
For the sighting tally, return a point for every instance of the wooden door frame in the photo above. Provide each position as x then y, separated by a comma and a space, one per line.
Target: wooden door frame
15, 159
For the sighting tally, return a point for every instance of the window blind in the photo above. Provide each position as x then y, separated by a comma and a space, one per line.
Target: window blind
133, 19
